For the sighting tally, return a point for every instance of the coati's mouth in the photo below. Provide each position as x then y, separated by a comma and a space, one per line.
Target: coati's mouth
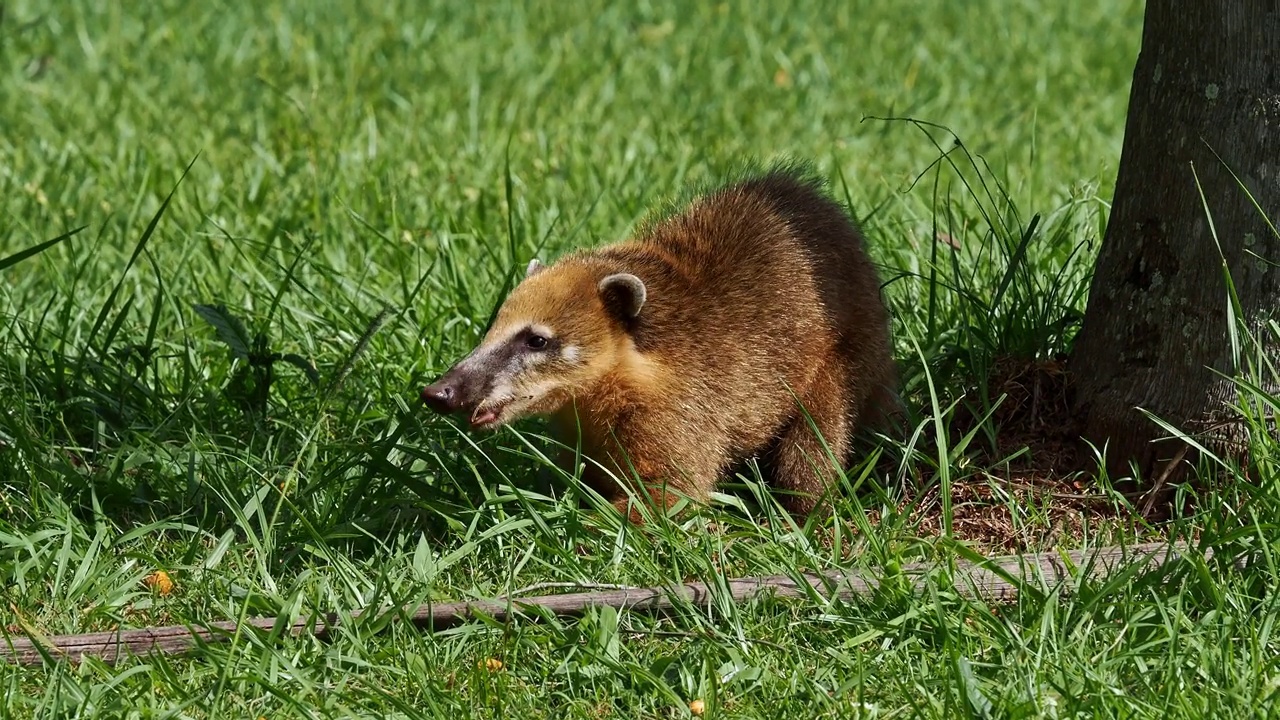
492, 413
486, 415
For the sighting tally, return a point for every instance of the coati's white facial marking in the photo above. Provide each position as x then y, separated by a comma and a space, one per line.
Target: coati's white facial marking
506, 360
541, 331
570, 353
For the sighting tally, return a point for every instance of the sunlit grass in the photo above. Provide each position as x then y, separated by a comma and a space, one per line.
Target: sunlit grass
224, 386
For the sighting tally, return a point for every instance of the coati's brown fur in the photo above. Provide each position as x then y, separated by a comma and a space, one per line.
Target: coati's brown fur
695, 345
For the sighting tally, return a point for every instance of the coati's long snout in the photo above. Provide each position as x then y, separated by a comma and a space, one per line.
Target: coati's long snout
461, 388
444, 395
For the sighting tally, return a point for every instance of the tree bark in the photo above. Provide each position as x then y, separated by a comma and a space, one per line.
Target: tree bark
1207, 81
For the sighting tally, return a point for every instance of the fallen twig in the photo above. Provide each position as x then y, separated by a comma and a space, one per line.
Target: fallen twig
997, 580
1160, 481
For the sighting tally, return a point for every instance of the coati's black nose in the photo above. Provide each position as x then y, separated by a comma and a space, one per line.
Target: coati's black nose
441, 396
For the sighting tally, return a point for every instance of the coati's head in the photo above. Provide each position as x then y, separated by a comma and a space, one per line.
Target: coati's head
562, 329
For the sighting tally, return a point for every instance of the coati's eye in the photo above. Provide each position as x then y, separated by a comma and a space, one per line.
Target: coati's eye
535, 342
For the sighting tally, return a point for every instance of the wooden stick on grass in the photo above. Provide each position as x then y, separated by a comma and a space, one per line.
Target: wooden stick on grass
998, 580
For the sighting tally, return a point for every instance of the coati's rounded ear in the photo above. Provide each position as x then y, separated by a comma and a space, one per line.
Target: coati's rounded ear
623, 293
533, 267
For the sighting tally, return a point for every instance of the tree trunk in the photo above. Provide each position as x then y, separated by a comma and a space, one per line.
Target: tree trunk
1207, 81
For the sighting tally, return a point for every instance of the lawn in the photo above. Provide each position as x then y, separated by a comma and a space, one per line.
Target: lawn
293, 215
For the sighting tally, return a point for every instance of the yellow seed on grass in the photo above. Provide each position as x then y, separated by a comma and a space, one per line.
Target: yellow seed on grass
697, 707
492, 664
160, 582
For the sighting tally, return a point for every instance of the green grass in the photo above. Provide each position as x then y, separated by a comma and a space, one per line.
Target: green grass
364, 178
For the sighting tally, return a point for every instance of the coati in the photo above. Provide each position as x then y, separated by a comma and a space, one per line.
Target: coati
696, 345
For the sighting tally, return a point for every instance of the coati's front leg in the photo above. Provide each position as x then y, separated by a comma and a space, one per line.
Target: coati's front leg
803, 467
659, 455
664, 482
661, 489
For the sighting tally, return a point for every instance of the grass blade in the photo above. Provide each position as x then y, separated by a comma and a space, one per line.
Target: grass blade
34, 250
